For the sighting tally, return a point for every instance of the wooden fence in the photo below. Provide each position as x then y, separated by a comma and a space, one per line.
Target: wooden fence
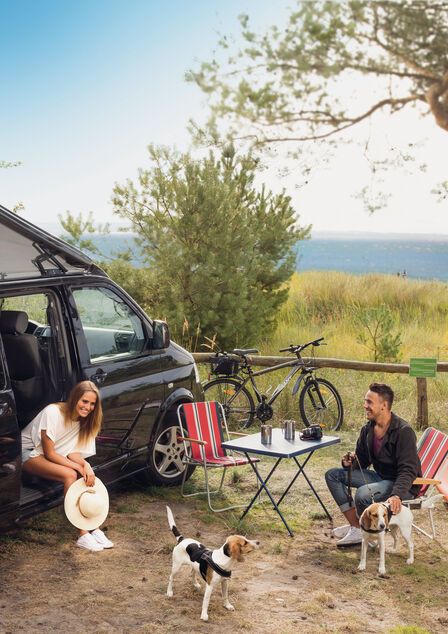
363, 366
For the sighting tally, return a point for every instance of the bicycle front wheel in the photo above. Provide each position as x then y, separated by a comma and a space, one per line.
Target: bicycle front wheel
236, 400
320, 404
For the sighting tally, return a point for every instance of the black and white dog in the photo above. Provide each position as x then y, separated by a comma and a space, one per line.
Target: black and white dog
213, 566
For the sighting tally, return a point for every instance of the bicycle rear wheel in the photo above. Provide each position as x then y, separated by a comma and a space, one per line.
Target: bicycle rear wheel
320, 404
236, 400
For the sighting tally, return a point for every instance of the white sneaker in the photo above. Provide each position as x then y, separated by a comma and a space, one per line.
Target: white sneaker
88, 542
353, 536
340, 531
101, 538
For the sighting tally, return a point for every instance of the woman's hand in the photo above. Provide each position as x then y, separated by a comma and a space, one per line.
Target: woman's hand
88, 475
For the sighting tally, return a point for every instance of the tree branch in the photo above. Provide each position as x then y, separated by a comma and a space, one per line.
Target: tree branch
350, 121
437, 98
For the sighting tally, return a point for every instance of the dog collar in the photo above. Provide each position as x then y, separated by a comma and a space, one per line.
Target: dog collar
371, 530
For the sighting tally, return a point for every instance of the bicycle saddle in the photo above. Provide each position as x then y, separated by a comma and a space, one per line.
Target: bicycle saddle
243, 352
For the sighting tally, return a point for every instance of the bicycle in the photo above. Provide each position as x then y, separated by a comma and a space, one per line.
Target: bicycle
319, 401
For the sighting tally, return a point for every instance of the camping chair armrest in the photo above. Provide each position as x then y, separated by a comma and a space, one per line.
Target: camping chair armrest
235, 433
199, 442
426, 481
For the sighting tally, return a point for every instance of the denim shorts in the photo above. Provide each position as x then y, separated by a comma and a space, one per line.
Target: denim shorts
26, 454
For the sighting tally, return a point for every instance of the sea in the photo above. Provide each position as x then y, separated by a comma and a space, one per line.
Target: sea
416, 256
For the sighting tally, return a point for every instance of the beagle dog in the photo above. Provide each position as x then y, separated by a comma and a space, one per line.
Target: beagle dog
213, 566
375, 521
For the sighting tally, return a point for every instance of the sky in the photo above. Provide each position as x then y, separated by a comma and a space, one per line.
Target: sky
88, 85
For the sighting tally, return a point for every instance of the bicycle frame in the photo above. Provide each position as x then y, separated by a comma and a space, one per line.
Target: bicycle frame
298, 366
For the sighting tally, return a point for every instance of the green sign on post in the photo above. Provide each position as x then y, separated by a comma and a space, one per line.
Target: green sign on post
424, 368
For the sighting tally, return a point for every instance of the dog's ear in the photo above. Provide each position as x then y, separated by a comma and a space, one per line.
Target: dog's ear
235, 547
365, 519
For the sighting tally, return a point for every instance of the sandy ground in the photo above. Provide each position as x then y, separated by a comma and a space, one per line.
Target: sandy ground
290, 585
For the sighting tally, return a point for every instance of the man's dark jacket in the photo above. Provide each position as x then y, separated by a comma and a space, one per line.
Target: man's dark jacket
397, 458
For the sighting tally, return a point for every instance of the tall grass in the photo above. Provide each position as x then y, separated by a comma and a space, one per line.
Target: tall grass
321, 304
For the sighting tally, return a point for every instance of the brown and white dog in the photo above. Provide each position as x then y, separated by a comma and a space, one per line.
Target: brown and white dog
375, 521
213, 565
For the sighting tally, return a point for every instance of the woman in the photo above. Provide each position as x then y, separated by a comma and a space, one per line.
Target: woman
57, 441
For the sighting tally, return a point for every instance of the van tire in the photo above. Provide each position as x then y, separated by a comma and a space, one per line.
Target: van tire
164, 462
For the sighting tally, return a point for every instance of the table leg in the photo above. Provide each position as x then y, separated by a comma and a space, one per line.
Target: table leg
311, 486
263, 486
301, 467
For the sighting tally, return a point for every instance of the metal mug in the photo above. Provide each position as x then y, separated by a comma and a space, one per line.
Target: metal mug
289, 428
266, 434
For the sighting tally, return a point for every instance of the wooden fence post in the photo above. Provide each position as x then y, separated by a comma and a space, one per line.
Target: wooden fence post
422, 403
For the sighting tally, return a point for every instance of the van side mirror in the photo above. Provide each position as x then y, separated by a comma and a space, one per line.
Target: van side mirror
161, 335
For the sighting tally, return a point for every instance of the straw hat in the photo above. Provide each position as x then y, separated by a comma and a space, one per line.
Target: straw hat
86, 507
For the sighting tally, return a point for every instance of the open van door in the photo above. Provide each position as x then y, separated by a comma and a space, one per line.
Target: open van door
10, 451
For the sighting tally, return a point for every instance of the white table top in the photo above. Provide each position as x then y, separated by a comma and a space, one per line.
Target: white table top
279, 446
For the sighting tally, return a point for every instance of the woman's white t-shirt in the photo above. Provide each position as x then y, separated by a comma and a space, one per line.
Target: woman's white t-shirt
65, 436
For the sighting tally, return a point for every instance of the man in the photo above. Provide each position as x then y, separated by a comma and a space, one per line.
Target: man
389, 444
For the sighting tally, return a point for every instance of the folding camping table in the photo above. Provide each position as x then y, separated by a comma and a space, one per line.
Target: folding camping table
281, 449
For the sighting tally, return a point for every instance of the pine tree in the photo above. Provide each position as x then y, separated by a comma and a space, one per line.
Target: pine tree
219, 250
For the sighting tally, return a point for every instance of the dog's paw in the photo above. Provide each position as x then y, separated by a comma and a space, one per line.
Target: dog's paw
229, 606
410, 560
361, 567
204, 617
169, 592
382, 572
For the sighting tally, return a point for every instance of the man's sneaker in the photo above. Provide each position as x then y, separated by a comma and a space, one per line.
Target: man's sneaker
353, 536
340, 531
88, 542
101, 538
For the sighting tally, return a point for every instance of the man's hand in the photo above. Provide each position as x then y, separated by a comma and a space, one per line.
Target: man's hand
395, 504
348, 458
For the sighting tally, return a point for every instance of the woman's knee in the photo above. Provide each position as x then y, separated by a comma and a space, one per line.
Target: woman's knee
70, 477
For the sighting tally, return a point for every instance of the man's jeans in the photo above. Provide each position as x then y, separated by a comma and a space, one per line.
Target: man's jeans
337, 480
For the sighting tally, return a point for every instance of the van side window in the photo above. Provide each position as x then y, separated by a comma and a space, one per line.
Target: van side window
111, 328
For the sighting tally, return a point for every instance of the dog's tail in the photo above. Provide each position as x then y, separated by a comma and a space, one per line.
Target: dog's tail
173, 526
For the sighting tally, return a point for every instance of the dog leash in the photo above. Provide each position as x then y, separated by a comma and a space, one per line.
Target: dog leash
349, 481
372, 495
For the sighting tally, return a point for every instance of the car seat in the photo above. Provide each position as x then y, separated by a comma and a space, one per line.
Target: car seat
25, 364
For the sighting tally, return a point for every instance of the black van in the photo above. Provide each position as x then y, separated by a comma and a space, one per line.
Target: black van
62, 320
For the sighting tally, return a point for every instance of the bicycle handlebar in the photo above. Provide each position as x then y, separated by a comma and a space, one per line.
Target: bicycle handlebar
298, 348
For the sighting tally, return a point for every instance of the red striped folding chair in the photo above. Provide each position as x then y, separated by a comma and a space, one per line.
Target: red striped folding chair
442, 487
203, 427
432, 450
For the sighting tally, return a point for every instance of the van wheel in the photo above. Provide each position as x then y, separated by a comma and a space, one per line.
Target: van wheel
164, 463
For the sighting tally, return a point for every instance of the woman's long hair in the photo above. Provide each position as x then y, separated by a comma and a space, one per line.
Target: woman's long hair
90, 426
